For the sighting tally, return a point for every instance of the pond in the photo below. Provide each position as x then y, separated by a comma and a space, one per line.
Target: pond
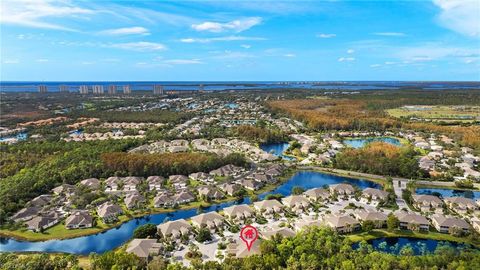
394, 245
18, 137
445, 192
276, 149
361, 142
231, 105
113, 238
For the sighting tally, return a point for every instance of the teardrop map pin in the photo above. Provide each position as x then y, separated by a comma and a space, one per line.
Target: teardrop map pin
249, 234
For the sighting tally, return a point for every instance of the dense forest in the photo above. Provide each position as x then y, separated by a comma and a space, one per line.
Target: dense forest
120, 163
153, 116
260, 134
316, 248
380, 158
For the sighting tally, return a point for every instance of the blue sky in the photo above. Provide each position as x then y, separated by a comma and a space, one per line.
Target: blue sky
56, 40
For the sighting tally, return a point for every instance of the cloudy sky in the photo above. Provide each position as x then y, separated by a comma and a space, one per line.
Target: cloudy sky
58, 40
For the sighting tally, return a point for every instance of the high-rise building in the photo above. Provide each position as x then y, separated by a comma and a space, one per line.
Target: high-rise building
200, 88
157, 89
84, 89
42, 89
127, 89
64, 88
98, 89
112, 89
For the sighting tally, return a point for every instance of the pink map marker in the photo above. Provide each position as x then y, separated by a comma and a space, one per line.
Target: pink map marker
249, 234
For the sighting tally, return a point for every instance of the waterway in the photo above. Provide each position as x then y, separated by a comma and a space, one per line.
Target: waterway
361, 142
445, 192
277, 149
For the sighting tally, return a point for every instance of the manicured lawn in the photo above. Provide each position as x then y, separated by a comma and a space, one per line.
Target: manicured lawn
405, 233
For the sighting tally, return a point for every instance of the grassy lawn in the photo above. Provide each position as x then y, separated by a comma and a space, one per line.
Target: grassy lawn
438, 113
405, 233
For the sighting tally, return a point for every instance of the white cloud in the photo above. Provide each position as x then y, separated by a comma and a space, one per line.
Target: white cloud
375, 65
227, 38
136, 30
35, 13
390, 34
245, 46
432, 52
182, 61
42, 60
235, 26
350, 51
11, 61
290, 55
232, 55
462, 16
390, 63
139, 46
326, 35
87, 62
346, 59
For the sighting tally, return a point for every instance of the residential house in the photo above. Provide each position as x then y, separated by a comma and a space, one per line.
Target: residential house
109, 212
317, 194
130, 183
178, 181
268, 206
43, 221
163, 200
251, 184
342, 189
41, 201
183, 197
231, 188
211, 220
92, 183
155, 182
302, 224
476, 225
64, 189
426, 202
284, 232
379, 219
144, 248
376, 195
210, 192
79, 219
239, 212
460, 203
112, 184
426, 163
296, 202
26, 213
412, 221
446, 224
240, 250
134, 200
201, 176
264, 178
175, 228
342, 223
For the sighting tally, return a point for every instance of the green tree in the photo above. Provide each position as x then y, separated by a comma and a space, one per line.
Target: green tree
392, 222
148, 230
203, 235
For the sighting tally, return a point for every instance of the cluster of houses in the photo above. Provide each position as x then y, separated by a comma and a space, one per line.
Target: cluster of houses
220, 146
76, 136
275, 212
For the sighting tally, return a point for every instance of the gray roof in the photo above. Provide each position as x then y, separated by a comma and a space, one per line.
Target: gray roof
208, 219
285, 232
317, 193
108, 209
142, 247
93, 183
375, 193
371, 215
174, 227
26, 213
412, 218
78, 218
236, 210
337, 221
450, 222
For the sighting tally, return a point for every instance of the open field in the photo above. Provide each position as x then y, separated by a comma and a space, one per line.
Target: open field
465, 114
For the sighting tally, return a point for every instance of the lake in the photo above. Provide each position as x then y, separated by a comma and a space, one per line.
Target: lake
361, 142
276, 149
115, 237
445, 192
420, 246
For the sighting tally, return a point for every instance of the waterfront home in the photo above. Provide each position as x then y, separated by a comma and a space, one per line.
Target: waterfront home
79, 219
374, 194
109, 211
175, 228
155, 182
284, 232
342, 189
268, 206
412, 221
211, 220
263, 178
64, 189
342, 223
238, 212
183, 197
251, 184
210, 192
130, 183
134, 200
296, 202
41, 200
302, 224
26, 213
163, 200
460, 203
43, 221
426, 202
317, 194
379, 219
92, 183
446, 224
178, 181
231, 188
273, 171
112, 184
144, 248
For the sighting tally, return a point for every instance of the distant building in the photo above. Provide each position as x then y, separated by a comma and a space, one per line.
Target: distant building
42, 89
98, 89
127, 90
84, 89
158, 89
64, 88
112, 89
